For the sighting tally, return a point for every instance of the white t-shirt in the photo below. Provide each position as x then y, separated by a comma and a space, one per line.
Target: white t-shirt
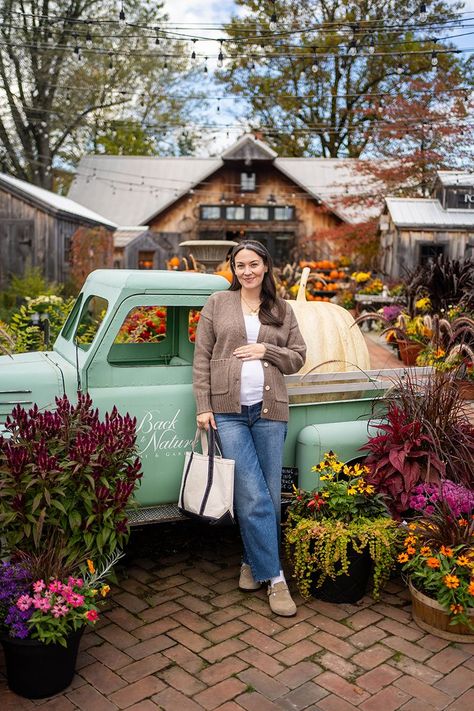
251, 384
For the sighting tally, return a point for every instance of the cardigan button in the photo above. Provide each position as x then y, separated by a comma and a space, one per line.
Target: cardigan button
267, 387
265, 364
265, 410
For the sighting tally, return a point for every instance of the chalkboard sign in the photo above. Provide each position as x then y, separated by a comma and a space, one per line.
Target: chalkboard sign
289, 477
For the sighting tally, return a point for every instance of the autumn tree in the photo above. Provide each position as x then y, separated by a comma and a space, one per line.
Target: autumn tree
312, 72
73, 78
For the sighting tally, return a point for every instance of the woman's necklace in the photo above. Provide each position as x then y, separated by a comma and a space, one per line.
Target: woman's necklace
253, 311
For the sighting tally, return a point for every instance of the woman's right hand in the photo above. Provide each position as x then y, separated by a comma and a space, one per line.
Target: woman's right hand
204, 419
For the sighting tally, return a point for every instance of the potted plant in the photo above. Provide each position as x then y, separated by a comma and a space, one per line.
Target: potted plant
41, 622
439, 560
337, 532
66, 477
426, 436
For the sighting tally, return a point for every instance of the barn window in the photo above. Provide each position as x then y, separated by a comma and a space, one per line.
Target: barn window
146, 260
259, 213
210, 212
248, 182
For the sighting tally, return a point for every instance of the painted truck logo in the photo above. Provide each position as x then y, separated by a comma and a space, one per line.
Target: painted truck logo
157, 437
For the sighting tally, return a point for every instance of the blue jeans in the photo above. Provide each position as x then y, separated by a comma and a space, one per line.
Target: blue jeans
256, 446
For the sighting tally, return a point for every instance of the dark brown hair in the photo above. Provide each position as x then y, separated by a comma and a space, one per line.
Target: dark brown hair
272, 309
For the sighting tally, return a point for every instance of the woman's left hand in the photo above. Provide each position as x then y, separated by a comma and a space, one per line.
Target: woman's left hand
252, 351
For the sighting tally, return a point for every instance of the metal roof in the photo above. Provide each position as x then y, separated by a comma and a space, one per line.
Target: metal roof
113, 184
124, 235
134, 189
420, 212
451, 178
52, 201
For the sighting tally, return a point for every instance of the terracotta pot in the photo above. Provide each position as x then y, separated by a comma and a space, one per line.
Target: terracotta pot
433, 618
409, 351
466, 389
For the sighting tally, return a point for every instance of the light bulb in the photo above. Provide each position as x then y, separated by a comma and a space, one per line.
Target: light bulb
352, 51
434, 59
400, 69
122, 17
314, 67
88, 38
273, 23
193, 55
49, 38
423, 15
371, 45
220, 60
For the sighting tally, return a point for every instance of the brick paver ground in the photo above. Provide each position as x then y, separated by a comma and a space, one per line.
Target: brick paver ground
179, 636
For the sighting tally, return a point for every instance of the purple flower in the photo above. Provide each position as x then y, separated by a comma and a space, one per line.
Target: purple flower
391, 313
458, 498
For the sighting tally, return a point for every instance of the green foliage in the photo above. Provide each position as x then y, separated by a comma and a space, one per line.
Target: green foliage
67, 477
126, 139
51, 311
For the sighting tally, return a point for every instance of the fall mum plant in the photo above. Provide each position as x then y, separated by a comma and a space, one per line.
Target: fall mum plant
50, 610
438, 557
66, 477
342, 514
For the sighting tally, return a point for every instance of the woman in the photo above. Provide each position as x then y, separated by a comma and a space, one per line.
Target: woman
246, 339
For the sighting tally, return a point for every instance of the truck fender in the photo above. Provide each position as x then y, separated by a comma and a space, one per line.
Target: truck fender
343, 438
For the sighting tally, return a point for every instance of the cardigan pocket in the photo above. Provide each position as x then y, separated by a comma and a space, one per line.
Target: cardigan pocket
280, 392
220, 370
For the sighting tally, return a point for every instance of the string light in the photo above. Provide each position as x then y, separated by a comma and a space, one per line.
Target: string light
49, 37
89, 38
352, 50
434, 59
371, 47
273, 22
205, 65
193, 53
400, 69
220, 56
122, 16
422, 14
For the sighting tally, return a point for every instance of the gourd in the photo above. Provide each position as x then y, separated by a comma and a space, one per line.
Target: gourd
326, 328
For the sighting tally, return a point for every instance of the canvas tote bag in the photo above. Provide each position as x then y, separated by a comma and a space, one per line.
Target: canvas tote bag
207, 486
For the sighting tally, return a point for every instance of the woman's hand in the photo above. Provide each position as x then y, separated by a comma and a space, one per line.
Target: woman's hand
252, 351
205, 419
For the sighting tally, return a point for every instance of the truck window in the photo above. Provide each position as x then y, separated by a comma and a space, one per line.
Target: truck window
155, 335
92, 315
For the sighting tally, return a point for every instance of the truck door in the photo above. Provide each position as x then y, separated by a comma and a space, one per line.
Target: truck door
143, 365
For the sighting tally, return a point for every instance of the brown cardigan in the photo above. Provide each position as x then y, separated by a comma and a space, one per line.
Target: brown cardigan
216, 372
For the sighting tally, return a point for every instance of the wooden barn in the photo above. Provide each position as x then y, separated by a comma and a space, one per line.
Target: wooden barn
416, 230
141, 248
246, 192
36, 229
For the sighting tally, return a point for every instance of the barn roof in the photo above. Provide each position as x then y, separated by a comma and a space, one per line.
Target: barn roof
427, 213
52, 202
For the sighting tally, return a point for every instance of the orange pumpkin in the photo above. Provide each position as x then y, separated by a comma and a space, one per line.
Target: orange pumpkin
226, 273
174, 263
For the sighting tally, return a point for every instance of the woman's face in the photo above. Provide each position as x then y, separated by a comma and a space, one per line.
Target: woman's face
249, 268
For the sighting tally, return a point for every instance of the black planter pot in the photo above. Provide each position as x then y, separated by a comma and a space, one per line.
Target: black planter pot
349, 587
36, 670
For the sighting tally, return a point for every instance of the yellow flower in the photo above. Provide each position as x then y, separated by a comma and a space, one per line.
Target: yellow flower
409, 541
105, 589
412, 526
462, 560
456, 609
94, 592
451, 581
425, 550
325, 494
369, 489
352, 491
423, 304
90, 565
325, 477
402, 558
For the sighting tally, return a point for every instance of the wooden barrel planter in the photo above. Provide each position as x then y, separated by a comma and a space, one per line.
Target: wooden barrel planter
433, 618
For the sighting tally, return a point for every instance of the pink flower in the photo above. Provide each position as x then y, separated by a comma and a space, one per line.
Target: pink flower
24, 602
59, 610
56, 586
41, 603
39, 586
75, 582
92, 615
76, 600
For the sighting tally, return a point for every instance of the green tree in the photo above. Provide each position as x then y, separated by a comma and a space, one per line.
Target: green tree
68, 69
313, 79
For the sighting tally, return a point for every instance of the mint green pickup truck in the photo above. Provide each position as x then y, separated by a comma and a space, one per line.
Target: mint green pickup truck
129, 342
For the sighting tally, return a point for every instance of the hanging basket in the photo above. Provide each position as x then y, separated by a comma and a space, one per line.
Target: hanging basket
433, 618
36, 670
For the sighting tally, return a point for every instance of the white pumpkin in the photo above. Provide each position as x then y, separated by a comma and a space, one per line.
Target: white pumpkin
326, 328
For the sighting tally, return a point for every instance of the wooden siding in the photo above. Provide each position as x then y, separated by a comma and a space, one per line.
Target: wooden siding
223, 187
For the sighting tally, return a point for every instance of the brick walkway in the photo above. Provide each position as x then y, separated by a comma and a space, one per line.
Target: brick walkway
180, 636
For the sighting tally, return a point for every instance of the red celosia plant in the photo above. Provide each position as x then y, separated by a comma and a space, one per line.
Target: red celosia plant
66, 477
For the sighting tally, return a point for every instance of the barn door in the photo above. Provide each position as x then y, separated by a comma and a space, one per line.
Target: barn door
16, 248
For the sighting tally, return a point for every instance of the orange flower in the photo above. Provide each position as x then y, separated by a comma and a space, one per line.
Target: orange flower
433, 563
456, 609
462, 560
448, 552
411, 550
470, 589
425, 550
402, 558
462, 522
451, 581
410, 541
